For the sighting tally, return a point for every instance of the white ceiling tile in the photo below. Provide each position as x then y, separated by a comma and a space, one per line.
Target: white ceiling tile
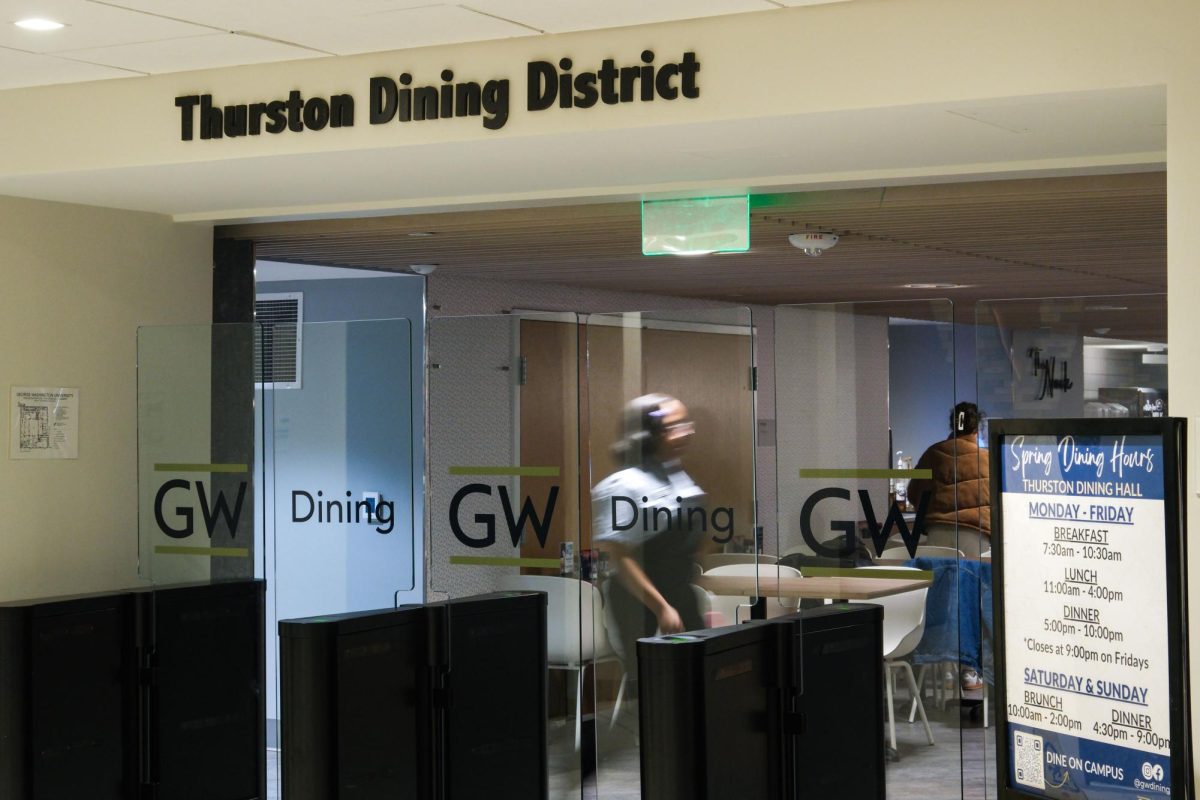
807, 2
19, 69
195, 52
392, 30
88, 25
131, 33
262, 16
557, 16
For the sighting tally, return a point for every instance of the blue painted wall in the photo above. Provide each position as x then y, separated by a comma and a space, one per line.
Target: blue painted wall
931, 367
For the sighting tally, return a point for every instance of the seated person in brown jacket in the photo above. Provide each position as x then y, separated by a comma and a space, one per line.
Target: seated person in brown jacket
959, 514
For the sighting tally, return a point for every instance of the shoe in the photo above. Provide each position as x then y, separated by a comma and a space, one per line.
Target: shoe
971, 682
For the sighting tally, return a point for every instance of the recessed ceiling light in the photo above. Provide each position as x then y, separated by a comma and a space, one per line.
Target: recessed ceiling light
39, 24
420, 233
1106, 308
934, 286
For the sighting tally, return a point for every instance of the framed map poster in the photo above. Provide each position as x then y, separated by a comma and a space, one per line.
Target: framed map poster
44, 423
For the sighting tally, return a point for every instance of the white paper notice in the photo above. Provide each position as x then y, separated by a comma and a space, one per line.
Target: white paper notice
45, 422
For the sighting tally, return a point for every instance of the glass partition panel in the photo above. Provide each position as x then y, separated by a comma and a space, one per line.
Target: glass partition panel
873, 509
1073, 356
670, 441
340, 504
341, 499
200, 422
504, 511
1067, 357
198, 426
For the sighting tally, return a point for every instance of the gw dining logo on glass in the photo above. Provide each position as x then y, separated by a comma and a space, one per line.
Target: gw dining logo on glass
221, 501
627, 512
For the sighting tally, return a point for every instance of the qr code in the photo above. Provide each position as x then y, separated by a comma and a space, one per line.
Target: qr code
1029, 759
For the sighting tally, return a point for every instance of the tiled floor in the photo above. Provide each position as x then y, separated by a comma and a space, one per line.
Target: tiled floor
960, 764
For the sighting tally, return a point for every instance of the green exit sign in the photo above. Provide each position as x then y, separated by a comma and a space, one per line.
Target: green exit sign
696, 226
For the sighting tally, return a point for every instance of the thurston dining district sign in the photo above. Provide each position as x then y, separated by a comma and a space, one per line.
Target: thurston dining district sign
411, 98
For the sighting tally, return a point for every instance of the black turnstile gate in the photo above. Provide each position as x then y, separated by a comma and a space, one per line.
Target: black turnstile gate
759, 709
446, 700
149, 693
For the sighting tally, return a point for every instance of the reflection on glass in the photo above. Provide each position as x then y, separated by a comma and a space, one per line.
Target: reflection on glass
1073, 356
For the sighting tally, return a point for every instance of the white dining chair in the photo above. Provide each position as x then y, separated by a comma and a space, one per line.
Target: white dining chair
903, 626
926, 551
727, 605
576, 631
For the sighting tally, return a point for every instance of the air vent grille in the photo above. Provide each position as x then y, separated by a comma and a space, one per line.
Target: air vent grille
277, 339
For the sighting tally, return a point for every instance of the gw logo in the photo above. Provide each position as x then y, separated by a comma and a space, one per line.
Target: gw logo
516, 524
879, 534
211, 509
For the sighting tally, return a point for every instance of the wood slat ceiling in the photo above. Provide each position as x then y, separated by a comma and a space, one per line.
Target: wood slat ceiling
1048, 237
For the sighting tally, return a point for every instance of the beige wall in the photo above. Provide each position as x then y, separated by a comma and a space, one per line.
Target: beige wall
1183, 282
75, 284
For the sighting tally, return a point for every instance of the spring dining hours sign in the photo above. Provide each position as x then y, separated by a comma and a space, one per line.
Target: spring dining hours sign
1089, 590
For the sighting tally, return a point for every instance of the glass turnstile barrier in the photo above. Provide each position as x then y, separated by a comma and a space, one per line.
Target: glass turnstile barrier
504, 520
535, 420
867, 512
342, 537
199, 620
670, 443
283, 453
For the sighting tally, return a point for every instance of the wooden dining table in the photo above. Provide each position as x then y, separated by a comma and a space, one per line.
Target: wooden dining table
817, 587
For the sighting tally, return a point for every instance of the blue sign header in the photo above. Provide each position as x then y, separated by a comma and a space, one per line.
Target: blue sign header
1112, 467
